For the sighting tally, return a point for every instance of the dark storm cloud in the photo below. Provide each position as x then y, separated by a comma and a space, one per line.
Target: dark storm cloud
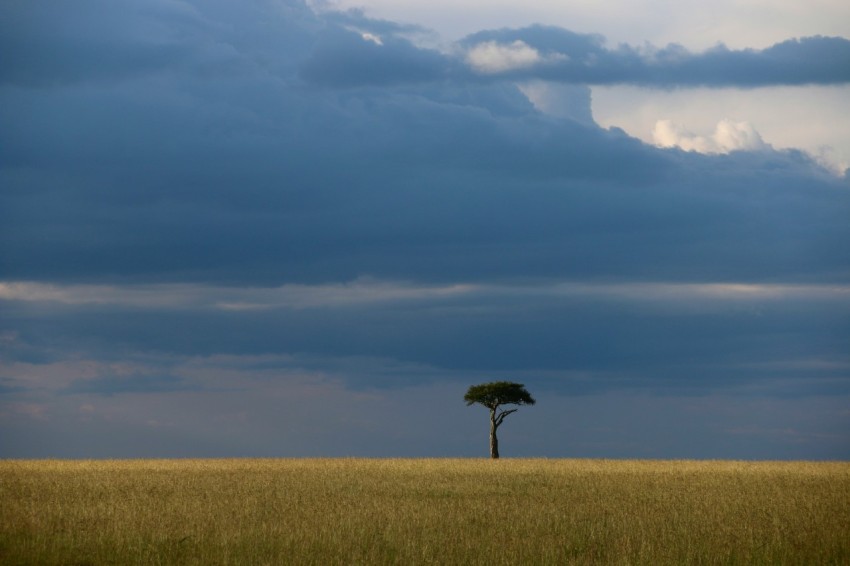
53, 43
571, 57
345, 57
252, 176
512, 206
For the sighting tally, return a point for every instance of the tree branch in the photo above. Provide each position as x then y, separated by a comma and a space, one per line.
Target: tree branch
501, 416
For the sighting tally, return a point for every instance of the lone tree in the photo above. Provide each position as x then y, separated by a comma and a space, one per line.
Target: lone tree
493, 395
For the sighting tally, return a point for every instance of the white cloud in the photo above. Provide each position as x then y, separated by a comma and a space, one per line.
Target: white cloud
732, 136
494, 57
810, 118
728, 136
371, 37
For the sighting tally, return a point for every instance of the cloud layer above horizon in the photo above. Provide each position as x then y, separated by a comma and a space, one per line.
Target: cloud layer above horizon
207, 209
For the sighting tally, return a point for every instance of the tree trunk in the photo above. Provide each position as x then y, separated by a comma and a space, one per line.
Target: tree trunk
494, 441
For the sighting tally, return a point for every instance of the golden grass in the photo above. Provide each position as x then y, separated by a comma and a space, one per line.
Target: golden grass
358, 511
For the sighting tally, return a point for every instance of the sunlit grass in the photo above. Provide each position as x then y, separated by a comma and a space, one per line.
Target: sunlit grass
358, 511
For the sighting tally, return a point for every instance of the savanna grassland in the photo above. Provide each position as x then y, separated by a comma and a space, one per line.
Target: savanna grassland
358, 511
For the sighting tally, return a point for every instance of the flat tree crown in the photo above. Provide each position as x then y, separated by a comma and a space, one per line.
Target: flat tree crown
496, 393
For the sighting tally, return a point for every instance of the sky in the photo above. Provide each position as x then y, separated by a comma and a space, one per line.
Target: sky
288, 229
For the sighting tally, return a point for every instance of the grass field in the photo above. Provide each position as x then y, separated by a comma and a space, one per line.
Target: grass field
357, 511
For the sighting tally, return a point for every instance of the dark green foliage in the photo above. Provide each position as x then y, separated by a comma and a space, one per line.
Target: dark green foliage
496, 393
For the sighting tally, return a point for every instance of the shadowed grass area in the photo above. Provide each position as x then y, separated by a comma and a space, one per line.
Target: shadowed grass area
346, 511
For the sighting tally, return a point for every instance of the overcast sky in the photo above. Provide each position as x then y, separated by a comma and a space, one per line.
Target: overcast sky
271, 228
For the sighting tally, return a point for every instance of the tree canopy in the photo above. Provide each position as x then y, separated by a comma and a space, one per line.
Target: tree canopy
496, 393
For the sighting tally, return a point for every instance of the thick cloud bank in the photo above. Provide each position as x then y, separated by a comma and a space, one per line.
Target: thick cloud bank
343, 58
728, 137
560, 55
211, 212
178, 142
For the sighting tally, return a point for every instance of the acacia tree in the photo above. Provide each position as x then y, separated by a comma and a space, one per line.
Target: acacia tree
493, 395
